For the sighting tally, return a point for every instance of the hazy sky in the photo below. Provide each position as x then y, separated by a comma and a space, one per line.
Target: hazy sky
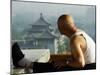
26, 13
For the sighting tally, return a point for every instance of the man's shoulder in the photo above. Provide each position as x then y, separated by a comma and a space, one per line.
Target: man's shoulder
77, 39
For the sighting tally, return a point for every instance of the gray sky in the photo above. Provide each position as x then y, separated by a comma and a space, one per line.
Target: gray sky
26, 13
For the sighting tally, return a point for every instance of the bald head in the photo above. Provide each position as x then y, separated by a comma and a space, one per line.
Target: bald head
65, 18
66, 24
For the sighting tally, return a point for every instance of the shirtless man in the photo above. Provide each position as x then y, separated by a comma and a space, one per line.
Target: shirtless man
81, 44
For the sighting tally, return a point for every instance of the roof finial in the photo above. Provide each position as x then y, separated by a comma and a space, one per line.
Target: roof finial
41, 15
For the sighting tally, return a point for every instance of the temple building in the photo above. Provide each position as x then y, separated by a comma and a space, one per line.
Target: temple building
40, 36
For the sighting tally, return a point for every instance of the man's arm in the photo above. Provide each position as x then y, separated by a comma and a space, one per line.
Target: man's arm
75, 58
77, 54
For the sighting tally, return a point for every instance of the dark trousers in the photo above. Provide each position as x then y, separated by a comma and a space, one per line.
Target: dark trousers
43, 67
86, 67
48, 67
